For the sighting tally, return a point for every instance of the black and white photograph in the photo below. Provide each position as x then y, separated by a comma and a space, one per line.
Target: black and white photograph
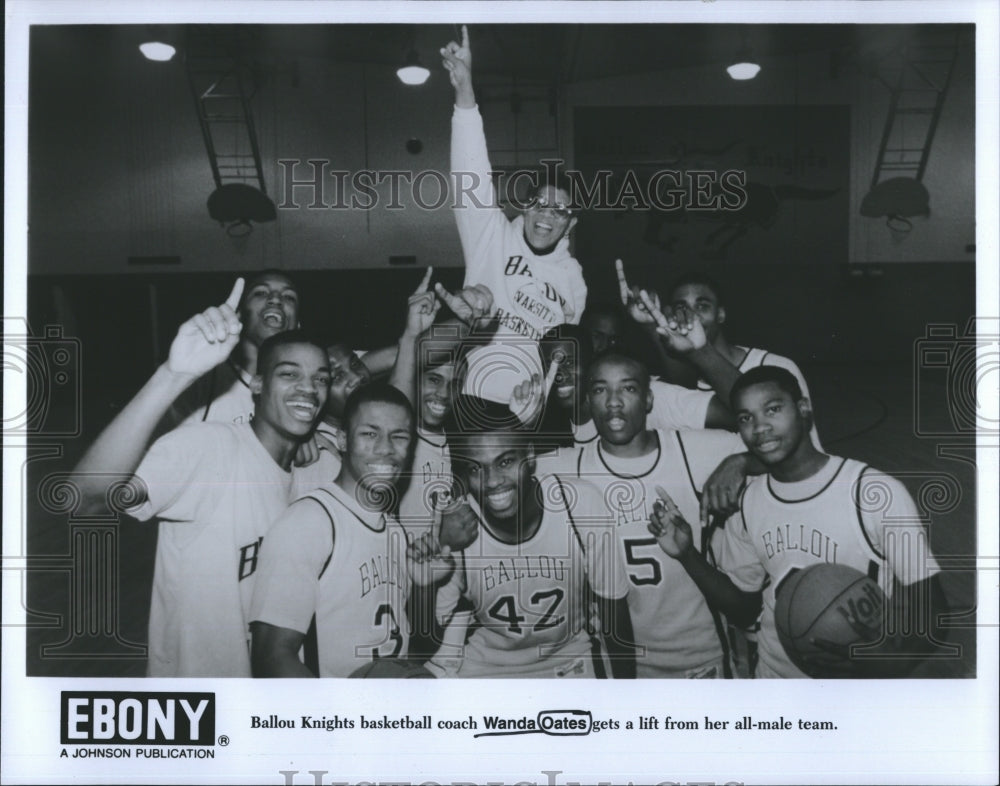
523, 343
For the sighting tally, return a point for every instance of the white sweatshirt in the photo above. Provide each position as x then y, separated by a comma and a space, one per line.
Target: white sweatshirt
532, 292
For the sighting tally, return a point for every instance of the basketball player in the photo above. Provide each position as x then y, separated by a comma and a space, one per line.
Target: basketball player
337, 558
423, 369
425, 372
270, 305
429, 488
348, 372
701, 296
542, 540
215, 487
808, 509
674, 407
526, 263
606, 326
683, 335
674, 628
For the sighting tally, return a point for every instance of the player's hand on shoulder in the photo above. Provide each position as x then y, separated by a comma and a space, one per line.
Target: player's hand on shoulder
457, 60
207, 338
667, 525
428, 561
720, 496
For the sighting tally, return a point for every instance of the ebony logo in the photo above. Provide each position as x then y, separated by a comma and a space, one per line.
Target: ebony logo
137, 718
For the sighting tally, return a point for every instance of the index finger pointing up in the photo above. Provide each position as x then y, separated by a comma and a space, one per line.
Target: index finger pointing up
465, 37
234, 297
663, 495
425, 282
622, 283
647, 301
550, 379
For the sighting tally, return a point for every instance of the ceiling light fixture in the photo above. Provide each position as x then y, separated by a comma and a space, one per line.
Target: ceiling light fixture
743, 70
413, 73
157, 50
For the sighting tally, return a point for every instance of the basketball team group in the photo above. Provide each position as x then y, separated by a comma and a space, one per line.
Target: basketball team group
523, 486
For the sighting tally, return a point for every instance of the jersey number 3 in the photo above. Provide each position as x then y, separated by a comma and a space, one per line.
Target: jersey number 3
395, 637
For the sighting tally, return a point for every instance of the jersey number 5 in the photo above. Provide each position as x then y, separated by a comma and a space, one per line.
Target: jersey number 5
651, 572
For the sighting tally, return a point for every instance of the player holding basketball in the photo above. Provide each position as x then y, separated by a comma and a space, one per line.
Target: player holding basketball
809, 508
542, 542
215, 488
338, 559
526, 263
674, 627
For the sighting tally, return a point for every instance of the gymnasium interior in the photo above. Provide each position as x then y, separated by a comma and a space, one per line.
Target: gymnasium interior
871, 290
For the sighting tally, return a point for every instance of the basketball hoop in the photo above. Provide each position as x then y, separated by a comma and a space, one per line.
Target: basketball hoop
899, 227
897, 199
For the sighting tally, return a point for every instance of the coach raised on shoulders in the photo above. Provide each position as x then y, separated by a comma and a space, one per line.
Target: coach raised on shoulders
526, 262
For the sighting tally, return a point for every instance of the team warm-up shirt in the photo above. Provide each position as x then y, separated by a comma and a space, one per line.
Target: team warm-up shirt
845, 514
674, 407
532, 293
216, 492
670, 616
431, 473
530, 599
347, 569
761, 357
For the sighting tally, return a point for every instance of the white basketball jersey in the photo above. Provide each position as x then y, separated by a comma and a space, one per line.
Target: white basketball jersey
529, 598
671, 619
773, 535
431, 473
363, 589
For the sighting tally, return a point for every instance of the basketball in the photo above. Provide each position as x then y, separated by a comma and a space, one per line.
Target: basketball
392, 669
833, 604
